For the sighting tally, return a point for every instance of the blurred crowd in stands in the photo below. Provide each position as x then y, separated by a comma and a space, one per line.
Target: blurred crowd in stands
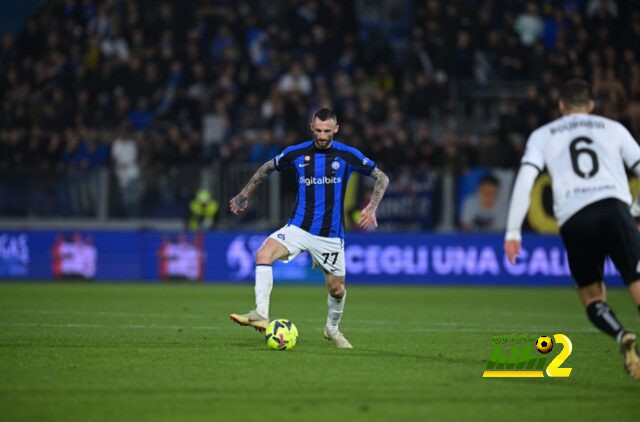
148, 86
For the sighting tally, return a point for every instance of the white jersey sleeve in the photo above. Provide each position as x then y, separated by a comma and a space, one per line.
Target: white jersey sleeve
520, 200
534, 151
531, 165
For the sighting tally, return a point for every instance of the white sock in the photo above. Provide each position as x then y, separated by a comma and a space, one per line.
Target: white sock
336, 307
264, 283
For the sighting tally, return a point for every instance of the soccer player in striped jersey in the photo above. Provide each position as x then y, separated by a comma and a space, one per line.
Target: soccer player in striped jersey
586, 157
322, 166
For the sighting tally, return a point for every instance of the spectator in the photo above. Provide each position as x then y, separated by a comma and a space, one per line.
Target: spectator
202, 211
529, 25
124, 155
481, 212
295, 81
114, 45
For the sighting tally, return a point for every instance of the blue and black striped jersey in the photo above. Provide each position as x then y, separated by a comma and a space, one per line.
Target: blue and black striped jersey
322, 181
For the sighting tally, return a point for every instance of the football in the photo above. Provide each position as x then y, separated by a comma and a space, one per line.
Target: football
281, 334
544, 344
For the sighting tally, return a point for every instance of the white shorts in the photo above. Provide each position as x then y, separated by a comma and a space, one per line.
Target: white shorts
327, 253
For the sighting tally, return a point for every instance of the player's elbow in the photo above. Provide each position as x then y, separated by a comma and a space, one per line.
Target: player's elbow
383, 178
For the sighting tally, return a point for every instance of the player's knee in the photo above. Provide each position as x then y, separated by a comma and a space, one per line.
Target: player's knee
591, 293
336, 289
264, 256
588, 300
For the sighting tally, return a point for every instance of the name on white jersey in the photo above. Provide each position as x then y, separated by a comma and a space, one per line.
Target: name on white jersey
590, 124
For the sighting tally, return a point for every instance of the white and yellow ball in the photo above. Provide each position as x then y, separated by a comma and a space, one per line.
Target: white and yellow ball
281, 334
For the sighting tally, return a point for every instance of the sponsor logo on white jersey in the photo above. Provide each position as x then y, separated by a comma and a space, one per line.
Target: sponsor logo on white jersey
319, 180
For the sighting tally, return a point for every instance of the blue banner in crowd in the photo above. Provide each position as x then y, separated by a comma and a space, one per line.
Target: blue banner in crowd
225, 256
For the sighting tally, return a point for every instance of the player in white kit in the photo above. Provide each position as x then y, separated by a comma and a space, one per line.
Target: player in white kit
586, 156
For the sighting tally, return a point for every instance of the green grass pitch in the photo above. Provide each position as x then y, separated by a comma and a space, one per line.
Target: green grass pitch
152, 352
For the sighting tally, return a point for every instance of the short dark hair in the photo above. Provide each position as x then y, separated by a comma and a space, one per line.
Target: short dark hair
489, 178
575, 92
325, 113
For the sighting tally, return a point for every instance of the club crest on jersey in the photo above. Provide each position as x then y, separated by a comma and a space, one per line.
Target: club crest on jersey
307, 158
335, 165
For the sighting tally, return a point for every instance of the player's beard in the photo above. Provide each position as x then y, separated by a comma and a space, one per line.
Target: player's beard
323, 143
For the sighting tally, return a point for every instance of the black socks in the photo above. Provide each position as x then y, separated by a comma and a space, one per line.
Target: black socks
603, 317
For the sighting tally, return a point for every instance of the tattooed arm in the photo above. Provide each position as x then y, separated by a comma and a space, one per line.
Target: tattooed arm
240, 202
368, 214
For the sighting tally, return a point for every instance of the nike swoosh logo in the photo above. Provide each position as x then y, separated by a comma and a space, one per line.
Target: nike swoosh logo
302, 165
